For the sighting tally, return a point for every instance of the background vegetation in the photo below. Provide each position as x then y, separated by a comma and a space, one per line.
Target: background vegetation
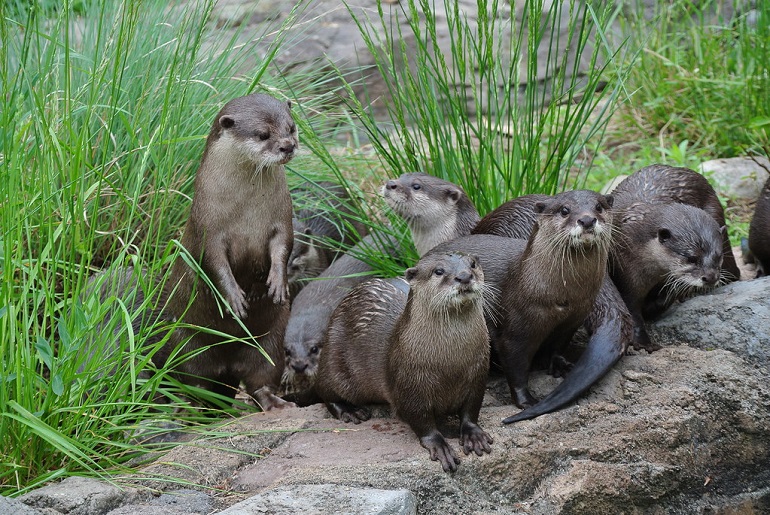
106, 106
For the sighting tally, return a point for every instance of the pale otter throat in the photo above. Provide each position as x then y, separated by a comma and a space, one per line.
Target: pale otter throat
239, 231
426, 353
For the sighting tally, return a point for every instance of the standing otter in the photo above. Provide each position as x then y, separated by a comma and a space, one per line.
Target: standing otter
759, 232
435, 210
426, 353
547, 284
239, 231
671, 243
322, 218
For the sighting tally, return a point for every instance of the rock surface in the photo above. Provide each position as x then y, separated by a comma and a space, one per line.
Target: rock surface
738, 178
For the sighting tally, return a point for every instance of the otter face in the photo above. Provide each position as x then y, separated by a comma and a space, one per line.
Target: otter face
300, 365
305, 259
584, 216
261, 128
419, 195
694, 257
450, 280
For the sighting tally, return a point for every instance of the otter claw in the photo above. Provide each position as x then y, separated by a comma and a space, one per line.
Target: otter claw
475, 439
440, 451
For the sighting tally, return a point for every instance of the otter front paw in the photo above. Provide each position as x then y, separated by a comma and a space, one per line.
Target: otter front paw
238, 303
440, 451
277, 288
475, 439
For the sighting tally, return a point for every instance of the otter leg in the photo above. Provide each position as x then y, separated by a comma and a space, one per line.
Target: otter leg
277, 282
472, 437
516, 353
440, 450
348, 412
217, 266
268, 400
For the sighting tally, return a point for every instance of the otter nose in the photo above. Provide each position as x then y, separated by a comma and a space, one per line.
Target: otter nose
464, 277
299, 367
586, 222
287, 147
710, 277
391, 184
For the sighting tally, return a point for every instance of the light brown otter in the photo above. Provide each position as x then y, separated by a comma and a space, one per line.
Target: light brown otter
548, 284
759, 232
239, 231
323, 224
435, 210
425, 354
672, 242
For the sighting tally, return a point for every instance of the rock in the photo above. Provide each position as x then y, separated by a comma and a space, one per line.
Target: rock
735, 317
15, 507
82, 496
738, 178
175, 502
327, 499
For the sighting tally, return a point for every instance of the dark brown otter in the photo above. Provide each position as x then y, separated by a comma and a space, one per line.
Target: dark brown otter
609, 323
548, 284
323, 224
239, 232
759, 232
313, 306
424, 353
435, 210
672, 242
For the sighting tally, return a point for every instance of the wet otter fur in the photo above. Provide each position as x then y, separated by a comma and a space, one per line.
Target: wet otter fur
759, 232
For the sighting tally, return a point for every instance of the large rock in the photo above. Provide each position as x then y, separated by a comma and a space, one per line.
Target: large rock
738, 178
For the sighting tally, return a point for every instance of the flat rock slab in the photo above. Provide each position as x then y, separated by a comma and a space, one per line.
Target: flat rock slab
323, 499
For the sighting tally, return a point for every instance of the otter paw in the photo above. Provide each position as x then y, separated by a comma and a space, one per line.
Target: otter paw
355, 415
269, 401
559, 366
238, 303
440, 451
522, 398
475, 439
278, 290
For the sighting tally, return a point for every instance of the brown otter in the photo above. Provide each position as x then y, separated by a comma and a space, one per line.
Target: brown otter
548, 284
609, 323
759, 232
239, 231
425, 354
313, 307
671, 243
435, 210
323, 223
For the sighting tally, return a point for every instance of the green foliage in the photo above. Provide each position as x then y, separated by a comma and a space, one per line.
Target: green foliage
703, 77
460, 113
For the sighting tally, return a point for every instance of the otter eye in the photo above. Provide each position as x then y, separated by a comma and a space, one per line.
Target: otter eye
314, 349
692, 259
263, 136
288, 353
439, 271
416, 186
473, 264
599, 208
564, 211
293, 129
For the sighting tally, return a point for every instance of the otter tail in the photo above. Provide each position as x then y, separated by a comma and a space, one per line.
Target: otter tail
610, 326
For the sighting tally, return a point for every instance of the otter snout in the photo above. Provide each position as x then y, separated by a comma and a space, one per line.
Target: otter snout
710, 277
587, 222
464, 277
391, 185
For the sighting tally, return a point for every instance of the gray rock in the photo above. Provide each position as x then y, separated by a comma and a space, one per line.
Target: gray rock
738, 177
82, 496
10, 506
175, 502
735, 317
322, 499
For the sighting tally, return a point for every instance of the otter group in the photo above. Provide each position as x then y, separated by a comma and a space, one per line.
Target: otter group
509, 289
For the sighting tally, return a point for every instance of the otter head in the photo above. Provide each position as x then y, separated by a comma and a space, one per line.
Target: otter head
306, 259
687, 244
447, 280
583, 216
260, 127
300, 363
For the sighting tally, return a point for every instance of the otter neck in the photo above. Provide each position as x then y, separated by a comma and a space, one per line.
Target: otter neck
581, 266
425, 238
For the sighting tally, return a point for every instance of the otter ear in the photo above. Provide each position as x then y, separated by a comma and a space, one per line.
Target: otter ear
663, 235
410, 274
539, 207
308, 231
609, 199
226, 122
288, 103
723, 230
453, 194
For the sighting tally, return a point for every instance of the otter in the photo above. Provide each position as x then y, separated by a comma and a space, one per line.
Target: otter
239, 232
759, 232
547, 284
424, 353
313, 307
435, 210
323, 224
672, 242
